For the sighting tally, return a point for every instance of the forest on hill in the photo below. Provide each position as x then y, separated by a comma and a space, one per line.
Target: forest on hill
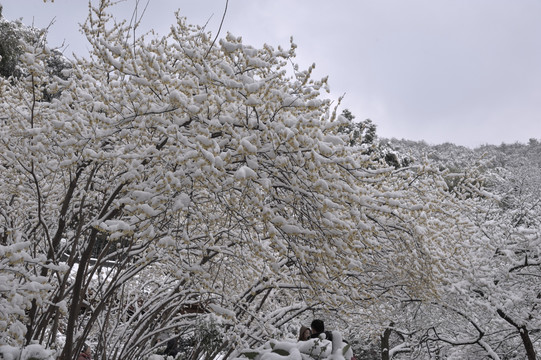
196, 191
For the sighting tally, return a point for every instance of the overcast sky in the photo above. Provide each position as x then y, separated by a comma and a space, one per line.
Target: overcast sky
460, 71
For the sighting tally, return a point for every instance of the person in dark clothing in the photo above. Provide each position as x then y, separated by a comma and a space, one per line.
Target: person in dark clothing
318, 328
172, 348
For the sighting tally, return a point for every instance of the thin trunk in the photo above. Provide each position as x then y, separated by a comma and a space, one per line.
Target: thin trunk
76, 297
524, 335
385, 343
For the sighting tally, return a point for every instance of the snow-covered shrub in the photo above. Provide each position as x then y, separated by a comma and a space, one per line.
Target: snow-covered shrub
30, 352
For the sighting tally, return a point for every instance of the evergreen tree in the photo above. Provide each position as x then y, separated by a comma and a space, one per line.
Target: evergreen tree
15, 37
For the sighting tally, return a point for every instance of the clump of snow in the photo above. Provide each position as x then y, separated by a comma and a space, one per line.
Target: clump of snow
245, 172
156, 357
222, 311
182, 201
9, 352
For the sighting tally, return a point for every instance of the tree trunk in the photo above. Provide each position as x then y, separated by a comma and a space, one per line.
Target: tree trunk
385, 344
524, 335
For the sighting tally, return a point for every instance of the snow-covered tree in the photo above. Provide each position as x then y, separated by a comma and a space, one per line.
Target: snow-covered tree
489, 303
179, 186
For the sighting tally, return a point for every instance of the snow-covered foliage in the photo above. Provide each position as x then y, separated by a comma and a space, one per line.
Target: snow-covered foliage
181, 189
14, 37
489, 305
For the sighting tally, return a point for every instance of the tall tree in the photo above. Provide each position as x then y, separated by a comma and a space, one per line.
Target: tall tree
177, 183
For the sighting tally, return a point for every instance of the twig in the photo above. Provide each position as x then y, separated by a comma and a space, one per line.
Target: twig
219, 29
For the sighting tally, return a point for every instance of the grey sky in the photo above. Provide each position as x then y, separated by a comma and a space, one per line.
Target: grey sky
462, 71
